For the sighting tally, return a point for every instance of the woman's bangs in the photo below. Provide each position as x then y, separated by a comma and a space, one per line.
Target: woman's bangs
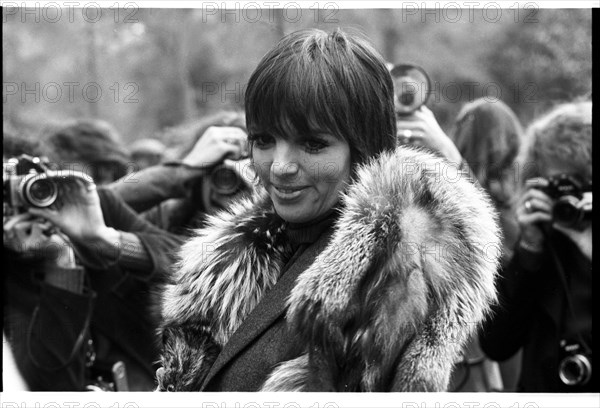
297, 100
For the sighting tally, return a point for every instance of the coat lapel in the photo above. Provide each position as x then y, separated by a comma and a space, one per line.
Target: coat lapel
270, 308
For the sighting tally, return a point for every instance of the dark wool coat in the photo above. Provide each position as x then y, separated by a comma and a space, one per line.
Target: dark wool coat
116, 301
533, 310
382, 302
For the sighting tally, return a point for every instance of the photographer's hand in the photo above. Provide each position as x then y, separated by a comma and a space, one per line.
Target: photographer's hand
533, 209
422, 129
79, 215
215, 144
31, 237
583, 239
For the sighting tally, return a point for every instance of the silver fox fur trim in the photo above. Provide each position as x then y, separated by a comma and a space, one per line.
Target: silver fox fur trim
407, 277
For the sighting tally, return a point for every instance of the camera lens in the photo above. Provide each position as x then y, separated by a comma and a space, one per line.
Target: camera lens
407, 98
575, 370
39, 191
411, 88
225, 180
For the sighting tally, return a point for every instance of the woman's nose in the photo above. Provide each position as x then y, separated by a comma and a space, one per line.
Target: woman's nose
285, 162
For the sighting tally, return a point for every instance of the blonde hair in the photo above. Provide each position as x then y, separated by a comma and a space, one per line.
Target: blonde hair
563, 135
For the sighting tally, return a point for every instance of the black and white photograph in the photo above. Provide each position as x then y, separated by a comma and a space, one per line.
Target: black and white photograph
274, 201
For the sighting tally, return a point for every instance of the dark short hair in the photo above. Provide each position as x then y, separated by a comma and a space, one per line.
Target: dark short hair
14, 145
90, 142
333, 82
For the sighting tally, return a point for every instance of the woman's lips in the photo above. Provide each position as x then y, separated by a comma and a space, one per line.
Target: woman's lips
287, 192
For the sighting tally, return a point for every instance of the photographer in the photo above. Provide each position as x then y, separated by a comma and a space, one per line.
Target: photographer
124, 258
79, 296
546, 291
177, 195
41, 279
416, 125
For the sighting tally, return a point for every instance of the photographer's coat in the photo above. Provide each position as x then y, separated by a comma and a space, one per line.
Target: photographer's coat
381, 301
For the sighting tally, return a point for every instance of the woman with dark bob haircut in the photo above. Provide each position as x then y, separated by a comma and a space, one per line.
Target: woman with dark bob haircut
353, 267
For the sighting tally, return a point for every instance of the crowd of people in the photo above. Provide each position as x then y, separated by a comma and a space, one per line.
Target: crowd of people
314, 242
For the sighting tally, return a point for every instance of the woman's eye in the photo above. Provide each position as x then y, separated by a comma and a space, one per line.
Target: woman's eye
261, 140
313, 145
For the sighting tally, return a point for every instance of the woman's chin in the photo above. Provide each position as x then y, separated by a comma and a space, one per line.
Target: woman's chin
292, 214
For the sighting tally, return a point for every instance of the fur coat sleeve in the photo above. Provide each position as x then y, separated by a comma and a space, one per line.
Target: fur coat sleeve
407, 276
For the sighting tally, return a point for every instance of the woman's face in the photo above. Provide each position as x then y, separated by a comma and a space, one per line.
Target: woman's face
304, 175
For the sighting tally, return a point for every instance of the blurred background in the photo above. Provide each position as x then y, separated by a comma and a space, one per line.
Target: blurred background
148, 70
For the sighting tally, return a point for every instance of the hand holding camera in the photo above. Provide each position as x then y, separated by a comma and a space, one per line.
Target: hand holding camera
77, 212
67, 199
415, 123
31, 237
533, 209
563, 201
217, 143
422, 129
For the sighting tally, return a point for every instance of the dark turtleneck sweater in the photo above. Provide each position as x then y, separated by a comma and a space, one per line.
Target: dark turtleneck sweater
302, 235
306, 233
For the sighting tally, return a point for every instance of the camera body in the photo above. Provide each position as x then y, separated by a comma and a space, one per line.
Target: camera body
231, 176
575, 364
567, 191
29, 182
25, 184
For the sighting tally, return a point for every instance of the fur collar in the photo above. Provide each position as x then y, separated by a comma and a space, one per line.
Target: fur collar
405, 279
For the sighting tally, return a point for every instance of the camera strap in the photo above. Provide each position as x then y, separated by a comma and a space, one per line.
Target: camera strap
565, 285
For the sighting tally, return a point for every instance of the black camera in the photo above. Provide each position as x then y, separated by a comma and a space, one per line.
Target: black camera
411, 88
575, 367
26, 184
567, 190
231, 176
29, 182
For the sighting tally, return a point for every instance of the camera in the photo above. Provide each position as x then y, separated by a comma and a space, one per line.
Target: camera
231, 176
411, 88
26, 184
567, 191
29, 182
575, 367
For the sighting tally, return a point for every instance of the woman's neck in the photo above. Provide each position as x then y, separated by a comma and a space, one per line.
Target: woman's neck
308, 232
